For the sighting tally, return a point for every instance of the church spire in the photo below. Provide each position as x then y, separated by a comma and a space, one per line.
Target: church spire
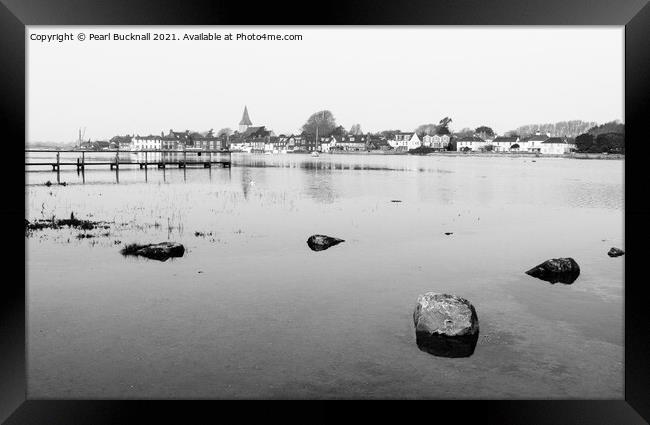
245, 121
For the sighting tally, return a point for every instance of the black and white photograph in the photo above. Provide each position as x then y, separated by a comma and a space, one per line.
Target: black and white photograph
327, 212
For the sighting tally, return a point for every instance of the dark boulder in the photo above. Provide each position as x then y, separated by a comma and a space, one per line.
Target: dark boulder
159, 251
322, 242
564, 270
615, 252
445, 325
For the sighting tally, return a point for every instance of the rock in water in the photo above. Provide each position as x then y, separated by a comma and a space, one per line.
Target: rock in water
159, 251
322, 242
615, 252
445, 325
564, 270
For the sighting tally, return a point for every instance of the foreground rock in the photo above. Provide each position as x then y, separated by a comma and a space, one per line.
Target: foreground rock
615, 252
445, 325
322, 242
564, 270
159, 251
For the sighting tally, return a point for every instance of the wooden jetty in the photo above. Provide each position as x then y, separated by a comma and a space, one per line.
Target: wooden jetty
201, 158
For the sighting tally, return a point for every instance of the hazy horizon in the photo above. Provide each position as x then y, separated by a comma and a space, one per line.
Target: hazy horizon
381, 78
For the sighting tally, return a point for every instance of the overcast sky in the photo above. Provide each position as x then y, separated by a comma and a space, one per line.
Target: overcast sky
379, 77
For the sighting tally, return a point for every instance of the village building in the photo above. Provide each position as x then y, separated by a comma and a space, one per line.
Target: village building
327, 143
405, 141
237, 144
271, 145
96, 145
257, 137
440, 140
296, 143
534, 143
245, 121
334, 140
122, 143
351, 143
309, 142
436, 141
249, 138
280, 143
206, 141
378, 143
556, 146
505, 143
469, 143
175, 140
147, 143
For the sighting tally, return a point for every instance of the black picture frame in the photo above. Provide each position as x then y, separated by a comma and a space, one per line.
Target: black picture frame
15, 15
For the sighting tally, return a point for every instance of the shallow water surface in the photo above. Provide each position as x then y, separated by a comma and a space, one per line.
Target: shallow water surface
251, 312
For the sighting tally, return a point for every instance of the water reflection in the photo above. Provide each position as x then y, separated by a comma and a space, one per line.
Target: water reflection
319, 186
246, 182
565, 277
446, 346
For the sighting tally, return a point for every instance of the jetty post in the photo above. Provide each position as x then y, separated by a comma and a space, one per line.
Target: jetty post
58, 167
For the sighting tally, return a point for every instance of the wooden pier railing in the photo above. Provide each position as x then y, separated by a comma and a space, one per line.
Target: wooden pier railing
162, 159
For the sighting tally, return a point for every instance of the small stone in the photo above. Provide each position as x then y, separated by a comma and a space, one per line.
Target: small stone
615, 252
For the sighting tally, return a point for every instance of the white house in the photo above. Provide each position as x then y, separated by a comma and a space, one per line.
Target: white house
405, 141
141, 143
556, 146
240, 145
505, 143
471, 143
436, 141
534, 143
414, 142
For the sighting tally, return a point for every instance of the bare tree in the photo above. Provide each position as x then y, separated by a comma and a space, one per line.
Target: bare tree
356, 129
224, 131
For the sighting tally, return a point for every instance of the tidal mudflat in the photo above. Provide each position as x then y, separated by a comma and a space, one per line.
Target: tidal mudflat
250, 311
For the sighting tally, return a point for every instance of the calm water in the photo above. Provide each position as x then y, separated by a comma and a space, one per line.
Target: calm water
251, 311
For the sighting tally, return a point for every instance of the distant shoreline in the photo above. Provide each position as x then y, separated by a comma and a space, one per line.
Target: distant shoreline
576, 155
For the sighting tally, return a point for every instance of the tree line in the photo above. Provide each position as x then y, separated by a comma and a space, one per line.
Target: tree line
589, 136
608, 137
